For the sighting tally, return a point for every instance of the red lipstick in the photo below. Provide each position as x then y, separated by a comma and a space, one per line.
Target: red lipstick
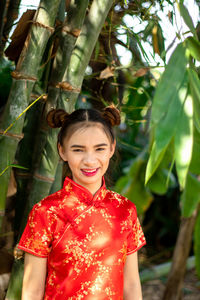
89, 172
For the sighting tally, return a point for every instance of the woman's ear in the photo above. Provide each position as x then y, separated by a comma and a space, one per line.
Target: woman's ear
112, 146
62, 152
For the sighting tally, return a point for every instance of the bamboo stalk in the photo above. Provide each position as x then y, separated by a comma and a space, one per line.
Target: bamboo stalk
25, 157
24, 78
89, 34
16, 281
47, 166
58, 178
74, 74
47, 161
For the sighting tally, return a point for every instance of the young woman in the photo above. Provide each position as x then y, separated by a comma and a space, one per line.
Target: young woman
82, 241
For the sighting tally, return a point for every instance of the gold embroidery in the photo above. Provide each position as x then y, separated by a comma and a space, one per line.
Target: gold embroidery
68, 187
123, 251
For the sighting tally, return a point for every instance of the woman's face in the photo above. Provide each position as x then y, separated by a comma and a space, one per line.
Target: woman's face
88, 152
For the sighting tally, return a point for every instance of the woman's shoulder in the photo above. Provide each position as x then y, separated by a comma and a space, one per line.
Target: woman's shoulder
120, 200
49, 202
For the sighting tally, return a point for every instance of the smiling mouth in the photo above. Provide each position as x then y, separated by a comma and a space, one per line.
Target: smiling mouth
89, 172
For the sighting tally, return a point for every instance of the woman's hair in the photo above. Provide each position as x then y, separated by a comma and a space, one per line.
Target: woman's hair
81, 118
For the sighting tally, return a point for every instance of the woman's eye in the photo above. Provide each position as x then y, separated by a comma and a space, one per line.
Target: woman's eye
100, 149
77, 150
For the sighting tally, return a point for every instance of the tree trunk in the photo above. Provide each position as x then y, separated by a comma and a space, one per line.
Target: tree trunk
11, 16
47, 161
173, 289
82, 52
24, 78
15, 282
47, 167
58, 178
24, 157
47, 157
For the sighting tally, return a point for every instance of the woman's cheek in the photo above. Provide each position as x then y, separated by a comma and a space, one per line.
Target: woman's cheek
105, 157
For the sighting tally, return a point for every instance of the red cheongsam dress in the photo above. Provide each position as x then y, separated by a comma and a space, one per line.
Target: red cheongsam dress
85, 239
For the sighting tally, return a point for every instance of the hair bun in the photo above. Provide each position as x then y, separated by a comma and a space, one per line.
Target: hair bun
56, 118
112, 115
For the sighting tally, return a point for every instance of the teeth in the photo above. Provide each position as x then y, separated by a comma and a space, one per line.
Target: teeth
90, 171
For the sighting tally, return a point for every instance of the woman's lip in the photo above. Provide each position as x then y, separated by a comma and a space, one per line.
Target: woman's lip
89, 172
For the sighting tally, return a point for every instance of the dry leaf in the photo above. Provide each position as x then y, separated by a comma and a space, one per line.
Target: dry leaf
141, 72
19, 35
155, 39
106, 73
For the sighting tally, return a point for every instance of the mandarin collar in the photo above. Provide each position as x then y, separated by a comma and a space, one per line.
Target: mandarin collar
84, 194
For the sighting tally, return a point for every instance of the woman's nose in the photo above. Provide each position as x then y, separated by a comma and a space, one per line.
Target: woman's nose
89, 158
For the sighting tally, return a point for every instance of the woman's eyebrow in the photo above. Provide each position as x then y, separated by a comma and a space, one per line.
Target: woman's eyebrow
81, 146
101, 145
77, 146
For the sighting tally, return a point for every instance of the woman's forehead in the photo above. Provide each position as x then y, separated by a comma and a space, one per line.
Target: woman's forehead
95, 131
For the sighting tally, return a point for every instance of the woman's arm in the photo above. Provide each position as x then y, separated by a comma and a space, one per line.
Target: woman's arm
35, 269
132, 286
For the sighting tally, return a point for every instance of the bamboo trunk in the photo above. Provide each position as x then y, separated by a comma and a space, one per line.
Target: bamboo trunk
76, 68
82, 52
173, 289
47, 159
11, 16
24, 78
47, 165
24, 157
45, 174
15, 282
56, 186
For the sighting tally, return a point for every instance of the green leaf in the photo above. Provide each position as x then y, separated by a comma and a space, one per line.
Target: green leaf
195, 91
148, 29
123, 183
165, 129
184, 141
156, 156
132, 186
169, 84
140, 45
197, 244
161, 42
12, 166
194, 47
139, 195
195, 162
190, 196
20, 115
158, 183
187, 18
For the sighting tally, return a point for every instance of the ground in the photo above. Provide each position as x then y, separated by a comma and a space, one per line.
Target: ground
153, 290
